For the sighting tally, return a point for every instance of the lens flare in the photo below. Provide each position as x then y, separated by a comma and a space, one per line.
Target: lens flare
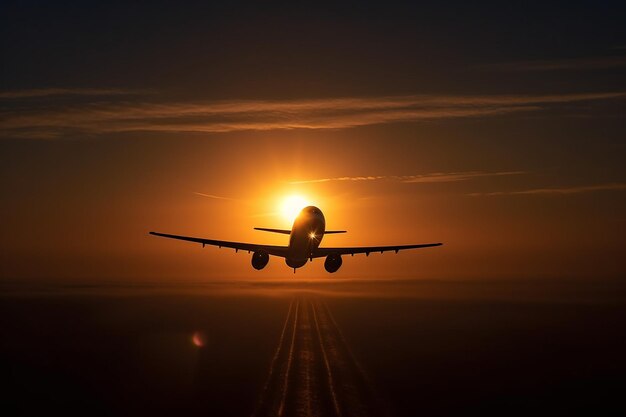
198, 339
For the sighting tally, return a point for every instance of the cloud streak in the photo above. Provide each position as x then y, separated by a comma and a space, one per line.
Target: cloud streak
574, 64
215, 197
56, 92
558, 190
436, 177
50, 119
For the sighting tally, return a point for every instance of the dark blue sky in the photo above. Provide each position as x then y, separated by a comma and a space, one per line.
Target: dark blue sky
236, 50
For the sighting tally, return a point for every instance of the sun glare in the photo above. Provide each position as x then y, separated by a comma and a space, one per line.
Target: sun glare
291, 205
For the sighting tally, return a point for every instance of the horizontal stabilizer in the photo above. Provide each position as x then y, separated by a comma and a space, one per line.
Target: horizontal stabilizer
288, 232
281, 231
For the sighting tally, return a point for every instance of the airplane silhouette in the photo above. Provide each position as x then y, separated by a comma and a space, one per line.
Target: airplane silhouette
304, 240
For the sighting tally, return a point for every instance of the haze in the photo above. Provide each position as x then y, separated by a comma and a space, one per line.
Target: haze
498, 130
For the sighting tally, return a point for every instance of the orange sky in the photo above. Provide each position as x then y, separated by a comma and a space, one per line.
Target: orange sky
89, 217
405, 123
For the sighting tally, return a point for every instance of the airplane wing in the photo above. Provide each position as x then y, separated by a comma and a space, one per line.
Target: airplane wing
250, 247
281, 231
321, 252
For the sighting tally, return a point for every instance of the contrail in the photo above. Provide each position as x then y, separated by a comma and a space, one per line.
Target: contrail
274, 363
313, 372
329, 373
281, 408
355, 361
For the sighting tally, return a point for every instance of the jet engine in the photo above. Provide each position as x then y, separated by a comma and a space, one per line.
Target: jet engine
260, 259
333, 262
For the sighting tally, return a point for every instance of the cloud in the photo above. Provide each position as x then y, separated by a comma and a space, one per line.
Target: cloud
372, 178
53, 119
558, 191
216, 197
574, 64
419, 178
457, 176
51, 92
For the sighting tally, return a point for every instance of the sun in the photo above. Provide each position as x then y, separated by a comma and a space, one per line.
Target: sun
291, 205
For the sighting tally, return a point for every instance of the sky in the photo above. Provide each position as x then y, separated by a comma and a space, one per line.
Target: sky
498, 130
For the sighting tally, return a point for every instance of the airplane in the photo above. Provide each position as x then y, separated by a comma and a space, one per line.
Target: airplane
304, 240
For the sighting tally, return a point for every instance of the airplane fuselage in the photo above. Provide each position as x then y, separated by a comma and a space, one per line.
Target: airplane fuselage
306, 235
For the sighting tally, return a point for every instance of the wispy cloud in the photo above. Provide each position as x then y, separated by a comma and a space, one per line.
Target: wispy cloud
573, 64
52, 92
370, 178
558, 190
213, 196
58, 119
457, 176
418, 178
